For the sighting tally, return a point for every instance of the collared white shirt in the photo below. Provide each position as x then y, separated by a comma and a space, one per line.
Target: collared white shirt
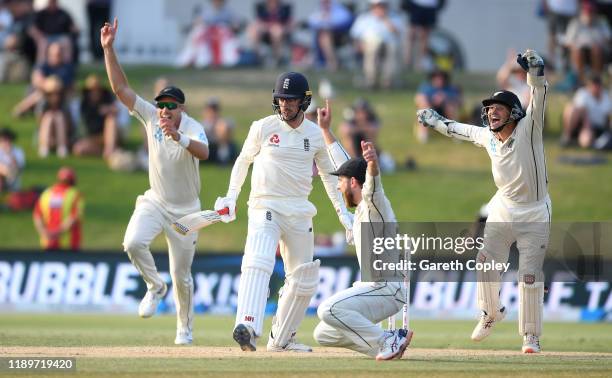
518, 164
174, 173
282, 159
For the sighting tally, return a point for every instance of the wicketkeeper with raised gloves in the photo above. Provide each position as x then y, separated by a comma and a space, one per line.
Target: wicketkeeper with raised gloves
282, 148
176, 145
351, 318
520, 210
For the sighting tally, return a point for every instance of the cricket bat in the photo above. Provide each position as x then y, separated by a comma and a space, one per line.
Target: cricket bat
195, 221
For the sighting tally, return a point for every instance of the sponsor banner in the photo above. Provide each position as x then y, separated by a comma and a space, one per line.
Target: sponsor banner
107, 282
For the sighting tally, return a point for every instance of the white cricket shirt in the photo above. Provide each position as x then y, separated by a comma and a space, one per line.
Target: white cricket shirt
173, 171
518, 164
282, 159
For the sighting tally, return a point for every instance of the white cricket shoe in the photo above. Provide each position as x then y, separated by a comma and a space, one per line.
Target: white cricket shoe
245, 337
292, 346
183, 337
486, 323
393, 344
151, 300
531, 344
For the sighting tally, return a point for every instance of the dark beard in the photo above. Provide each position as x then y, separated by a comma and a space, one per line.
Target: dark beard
349, 201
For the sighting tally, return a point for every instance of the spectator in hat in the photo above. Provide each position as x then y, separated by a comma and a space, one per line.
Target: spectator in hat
377, 34
55, 122
12, 161
58, 214
99, 116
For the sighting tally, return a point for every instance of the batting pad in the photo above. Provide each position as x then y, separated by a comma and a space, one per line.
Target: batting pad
531, 302
293, 301
257, 266
488, 287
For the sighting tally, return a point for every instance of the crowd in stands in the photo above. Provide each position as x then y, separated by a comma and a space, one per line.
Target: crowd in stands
378, 38
580, 50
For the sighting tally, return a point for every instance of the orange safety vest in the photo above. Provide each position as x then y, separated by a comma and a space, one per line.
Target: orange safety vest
55, 205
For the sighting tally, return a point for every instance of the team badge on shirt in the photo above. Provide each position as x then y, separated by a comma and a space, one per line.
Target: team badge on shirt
158, 134
274, 140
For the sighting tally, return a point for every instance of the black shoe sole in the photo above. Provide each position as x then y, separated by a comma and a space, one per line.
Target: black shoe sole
243, 337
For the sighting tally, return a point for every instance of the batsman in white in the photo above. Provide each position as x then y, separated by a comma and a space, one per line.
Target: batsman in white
520, 211
350, 318
282, 148
176, 145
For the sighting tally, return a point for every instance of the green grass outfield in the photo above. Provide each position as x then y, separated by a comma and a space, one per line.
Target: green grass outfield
451, 183
126, 346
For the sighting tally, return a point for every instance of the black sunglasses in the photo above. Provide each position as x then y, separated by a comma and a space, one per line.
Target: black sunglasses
167, 105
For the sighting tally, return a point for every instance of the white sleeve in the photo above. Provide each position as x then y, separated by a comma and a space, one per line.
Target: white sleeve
330, 182
580, 98
196, 131
471, 133
250, 149
337, 154
374, 196
537, 106
143, 111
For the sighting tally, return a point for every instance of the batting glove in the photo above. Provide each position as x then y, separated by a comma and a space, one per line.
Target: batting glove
431, 118
230, 203
346, 219
531, 62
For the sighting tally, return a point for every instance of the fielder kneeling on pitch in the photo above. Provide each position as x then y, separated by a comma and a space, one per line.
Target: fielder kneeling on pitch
520, 211
350, 318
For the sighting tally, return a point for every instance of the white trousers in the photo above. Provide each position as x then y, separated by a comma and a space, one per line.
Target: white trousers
350, 318
148, 220
267, 231
529, 226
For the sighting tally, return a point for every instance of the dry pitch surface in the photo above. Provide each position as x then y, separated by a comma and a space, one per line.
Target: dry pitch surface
235, 352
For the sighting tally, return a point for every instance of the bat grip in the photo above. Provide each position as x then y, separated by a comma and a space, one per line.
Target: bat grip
224, 211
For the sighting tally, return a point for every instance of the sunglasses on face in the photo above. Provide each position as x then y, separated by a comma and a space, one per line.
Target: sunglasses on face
167, 105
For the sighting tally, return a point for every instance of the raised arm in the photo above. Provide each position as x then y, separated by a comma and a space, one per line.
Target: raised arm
533, 63
450, 128
337, 154
116, 77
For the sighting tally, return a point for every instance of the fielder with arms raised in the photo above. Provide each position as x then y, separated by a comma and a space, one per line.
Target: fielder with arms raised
176, 144
520, 211
281, 148
350, 318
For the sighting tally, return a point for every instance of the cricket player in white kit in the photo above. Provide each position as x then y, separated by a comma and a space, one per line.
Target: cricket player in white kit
351, 318
282, 148
176, 144
521, 209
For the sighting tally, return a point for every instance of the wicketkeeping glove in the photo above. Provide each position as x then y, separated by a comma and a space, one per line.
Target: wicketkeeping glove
230, 203
531, 62
431, 118
346, 219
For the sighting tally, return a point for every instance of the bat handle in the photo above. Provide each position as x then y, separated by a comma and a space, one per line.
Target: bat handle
224, 211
